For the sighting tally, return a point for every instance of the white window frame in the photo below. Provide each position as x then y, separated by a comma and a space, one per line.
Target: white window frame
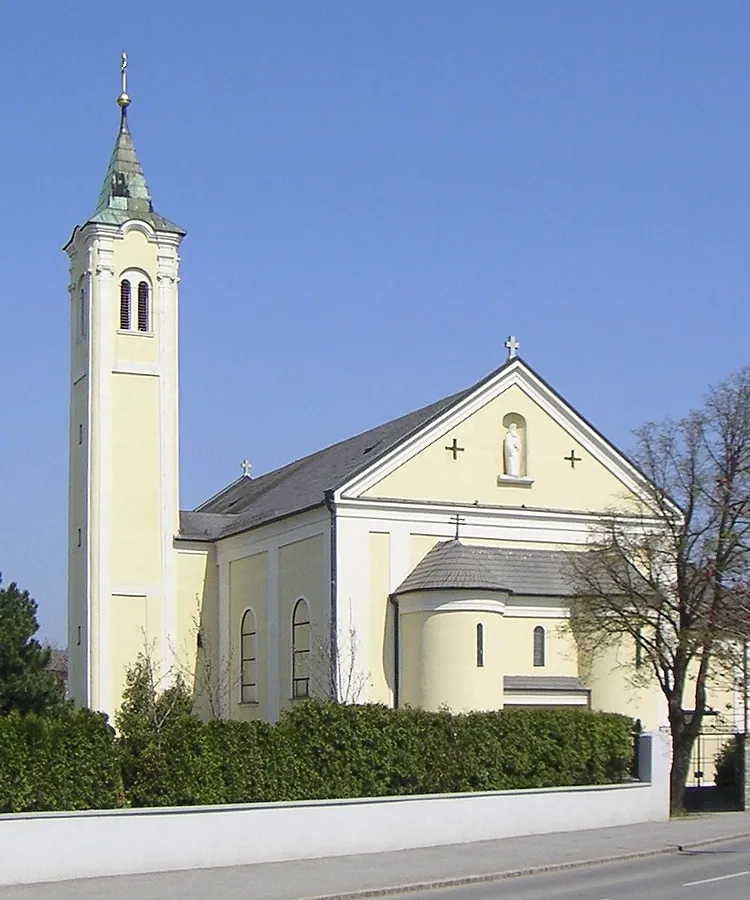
301, 656
134, 277
249, 657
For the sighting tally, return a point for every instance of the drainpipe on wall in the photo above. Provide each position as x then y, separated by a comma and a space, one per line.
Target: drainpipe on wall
334, 619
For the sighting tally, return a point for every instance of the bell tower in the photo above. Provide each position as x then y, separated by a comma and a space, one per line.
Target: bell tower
123, 509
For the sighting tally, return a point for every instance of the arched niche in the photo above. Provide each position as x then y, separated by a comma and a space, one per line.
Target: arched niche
514, 418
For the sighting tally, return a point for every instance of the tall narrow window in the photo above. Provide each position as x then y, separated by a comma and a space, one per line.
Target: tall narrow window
248, 658
301, 649
82, 311
480, 645
143, 306
538, 646
638, 650
78, 637
125, 305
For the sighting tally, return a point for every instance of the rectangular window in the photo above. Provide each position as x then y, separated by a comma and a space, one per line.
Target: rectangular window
480, 646
79, 537
80, 434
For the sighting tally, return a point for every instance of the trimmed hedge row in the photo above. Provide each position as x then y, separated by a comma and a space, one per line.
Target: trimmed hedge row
323, 750
67, 762
315, 751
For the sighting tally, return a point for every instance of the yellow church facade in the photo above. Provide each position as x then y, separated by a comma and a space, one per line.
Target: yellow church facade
421, 562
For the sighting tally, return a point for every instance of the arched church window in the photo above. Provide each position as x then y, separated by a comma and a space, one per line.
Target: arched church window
248, 658
538, 646
125, 305
143, 306
480, 645
301, 649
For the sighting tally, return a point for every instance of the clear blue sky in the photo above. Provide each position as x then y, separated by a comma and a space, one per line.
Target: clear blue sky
376, 194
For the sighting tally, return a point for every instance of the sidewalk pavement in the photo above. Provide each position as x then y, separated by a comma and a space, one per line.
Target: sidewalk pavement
379, 874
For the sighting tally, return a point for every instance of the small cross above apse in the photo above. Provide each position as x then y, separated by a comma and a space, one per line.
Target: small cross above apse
572, 459
455, 449
457, 521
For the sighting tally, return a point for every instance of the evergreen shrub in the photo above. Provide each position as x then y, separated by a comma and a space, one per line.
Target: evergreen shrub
325, 750
63, 762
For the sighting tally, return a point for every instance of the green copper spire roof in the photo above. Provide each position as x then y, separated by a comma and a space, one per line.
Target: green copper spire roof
124, 194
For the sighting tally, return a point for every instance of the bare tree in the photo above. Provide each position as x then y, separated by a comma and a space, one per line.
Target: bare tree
198, 662
335, 671
672, 572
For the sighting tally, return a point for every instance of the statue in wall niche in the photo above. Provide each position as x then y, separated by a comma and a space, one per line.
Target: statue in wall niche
512, 451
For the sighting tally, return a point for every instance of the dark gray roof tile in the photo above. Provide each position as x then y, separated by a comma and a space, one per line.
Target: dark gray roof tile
302, 484
543, 683
451, 565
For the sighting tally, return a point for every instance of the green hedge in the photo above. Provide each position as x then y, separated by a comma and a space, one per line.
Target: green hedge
167, 757
65, 762
195, 764
350, 751
323, 750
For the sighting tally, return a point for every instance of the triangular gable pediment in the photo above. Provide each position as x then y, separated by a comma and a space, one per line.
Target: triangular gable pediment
425, 467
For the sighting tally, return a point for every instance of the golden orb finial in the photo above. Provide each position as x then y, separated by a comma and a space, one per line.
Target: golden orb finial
123, 101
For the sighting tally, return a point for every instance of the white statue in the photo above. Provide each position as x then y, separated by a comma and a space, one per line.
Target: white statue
512, 450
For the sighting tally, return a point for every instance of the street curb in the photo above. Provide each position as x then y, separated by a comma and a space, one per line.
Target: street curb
415, 886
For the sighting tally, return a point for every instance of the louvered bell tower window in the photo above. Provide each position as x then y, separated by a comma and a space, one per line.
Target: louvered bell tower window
125, 305
143, 306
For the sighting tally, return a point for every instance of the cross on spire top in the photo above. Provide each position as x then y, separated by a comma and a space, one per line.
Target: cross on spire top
123, 101
512, 345
246, 467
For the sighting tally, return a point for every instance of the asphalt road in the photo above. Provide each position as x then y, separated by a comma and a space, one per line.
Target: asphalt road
720, 872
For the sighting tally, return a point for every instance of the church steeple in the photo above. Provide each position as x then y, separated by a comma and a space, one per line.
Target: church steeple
124, 195
124, 461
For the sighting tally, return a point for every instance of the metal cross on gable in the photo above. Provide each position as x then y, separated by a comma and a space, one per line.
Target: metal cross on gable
512, 345
455, 449
572, 459
246, 467
457, 520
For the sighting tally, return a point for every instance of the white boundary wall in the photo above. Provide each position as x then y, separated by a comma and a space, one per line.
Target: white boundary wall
55, 846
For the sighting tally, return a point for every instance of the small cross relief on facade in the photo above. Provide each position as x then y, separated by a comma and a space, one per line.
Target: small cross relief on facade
455, 449
572, 459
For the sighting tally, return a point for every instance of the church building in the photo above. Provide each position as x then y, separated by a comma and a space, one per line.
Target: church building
421, 562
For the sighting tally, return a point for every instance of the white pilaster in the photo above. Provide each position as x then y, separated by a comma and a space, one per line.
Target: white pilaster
272, 633
166, 281
101, 335
223, 684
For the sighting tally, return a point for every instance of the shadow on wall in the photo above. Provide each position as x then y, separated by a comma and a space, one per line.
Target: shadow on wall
211, 677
